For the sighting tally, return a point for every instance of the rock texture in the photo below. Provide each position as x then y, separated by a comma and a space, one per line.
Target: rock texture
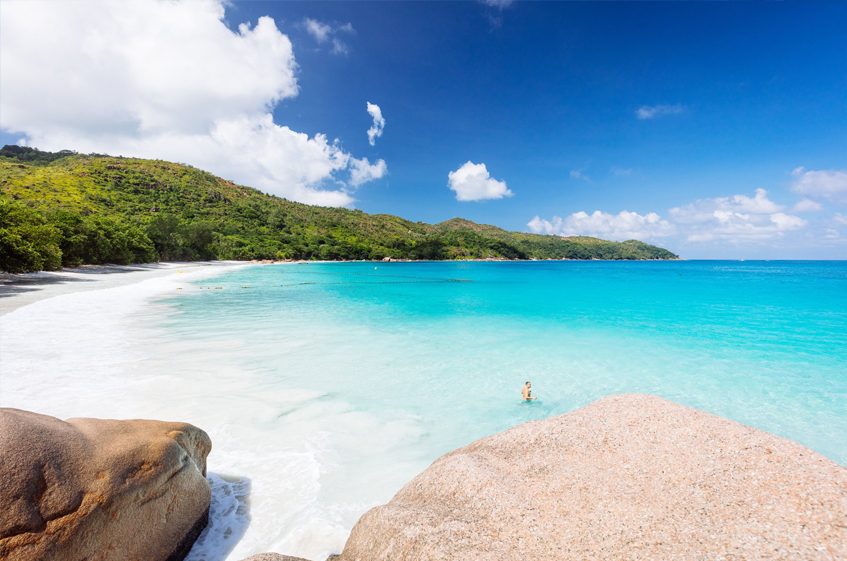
87, 489
273, 557
628, 477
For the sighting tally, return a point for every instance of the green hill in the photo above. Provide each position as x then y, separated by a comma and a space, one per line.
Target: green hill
65, 209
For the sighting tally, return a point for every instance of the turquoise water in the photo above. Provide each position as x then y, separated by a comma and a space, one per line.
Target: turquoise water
326, 387
763, 343
400, 366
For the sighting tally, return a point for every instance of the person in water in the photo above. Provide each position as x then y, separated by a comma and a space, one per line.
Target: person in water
526, 392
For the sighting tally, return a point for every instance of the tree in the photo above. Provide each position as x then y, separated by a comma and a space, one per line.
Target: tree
27, 241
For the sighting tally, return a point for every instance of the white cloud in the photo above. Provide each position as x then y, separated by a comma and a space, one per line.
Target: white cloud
339, 47
830, 184
738, 218
319, 30
622, 226
163, 79
621, 172
807, 205
577, 174
130, 66
786, 221
362, 171
472, 182
705, 210
323, 32
759, 203
497, 3
653, 111
379, 123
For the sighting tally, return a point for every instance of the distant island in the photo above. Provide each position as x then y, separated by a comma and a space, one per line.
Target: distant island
63, 209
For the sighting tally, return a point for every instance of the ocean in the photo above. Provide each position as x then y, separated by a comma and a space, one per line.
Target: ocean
327, 386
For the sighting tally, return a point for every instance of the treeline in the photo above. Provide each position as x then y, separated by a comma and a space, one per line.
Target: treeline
32, 240
65, 209
33, 155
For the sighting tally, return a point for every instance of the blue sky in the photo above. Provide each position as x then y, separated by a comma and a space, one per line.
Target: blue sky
674, 113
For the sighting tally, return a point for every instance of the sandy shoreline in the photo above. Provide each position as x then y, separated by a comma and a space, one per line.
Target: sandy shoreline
95, 343
17, 291
71, 343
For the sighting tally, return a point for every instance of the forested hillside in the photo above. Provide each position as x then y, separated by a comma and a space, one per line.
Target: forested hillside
66, 209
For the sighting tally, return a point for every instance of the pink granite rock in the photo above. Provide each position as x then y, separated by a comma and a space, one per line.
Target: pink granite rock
627, 477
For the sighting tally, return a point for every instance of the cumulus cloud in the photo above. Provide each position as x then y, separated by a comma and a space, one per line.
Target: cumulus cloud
379, 122
623, 226
472, 182
807, 205
323, 32
362, 171
759, 203
786, 222
653, 111
737, 218
577, 174
829, 184
164, 79
705, 210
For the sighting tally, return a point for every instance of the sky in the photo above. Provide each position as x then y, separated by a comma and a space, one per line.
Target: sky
716, 130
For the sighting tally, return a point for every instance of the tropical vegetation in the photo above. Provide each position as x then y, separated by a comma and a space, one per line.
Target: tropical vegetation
63, 209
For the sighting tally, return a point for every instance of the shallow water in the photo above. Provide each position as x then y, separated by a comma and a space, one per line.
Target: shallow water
326, 387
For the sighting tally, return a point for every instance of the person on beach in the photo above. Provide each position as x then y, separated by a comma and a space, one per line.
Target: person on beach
526, 392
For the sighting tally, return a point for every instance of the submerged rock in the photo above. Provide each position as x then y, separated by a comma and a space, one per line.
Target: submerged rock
100, 489
627, 477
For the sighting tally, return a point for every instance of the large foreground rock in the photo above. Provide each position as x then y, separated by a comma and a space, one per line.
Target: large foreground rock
628, 477
91, 489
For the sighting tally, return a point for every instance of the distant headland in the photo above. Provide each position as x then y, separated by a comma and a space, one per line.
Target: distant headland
63, 209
